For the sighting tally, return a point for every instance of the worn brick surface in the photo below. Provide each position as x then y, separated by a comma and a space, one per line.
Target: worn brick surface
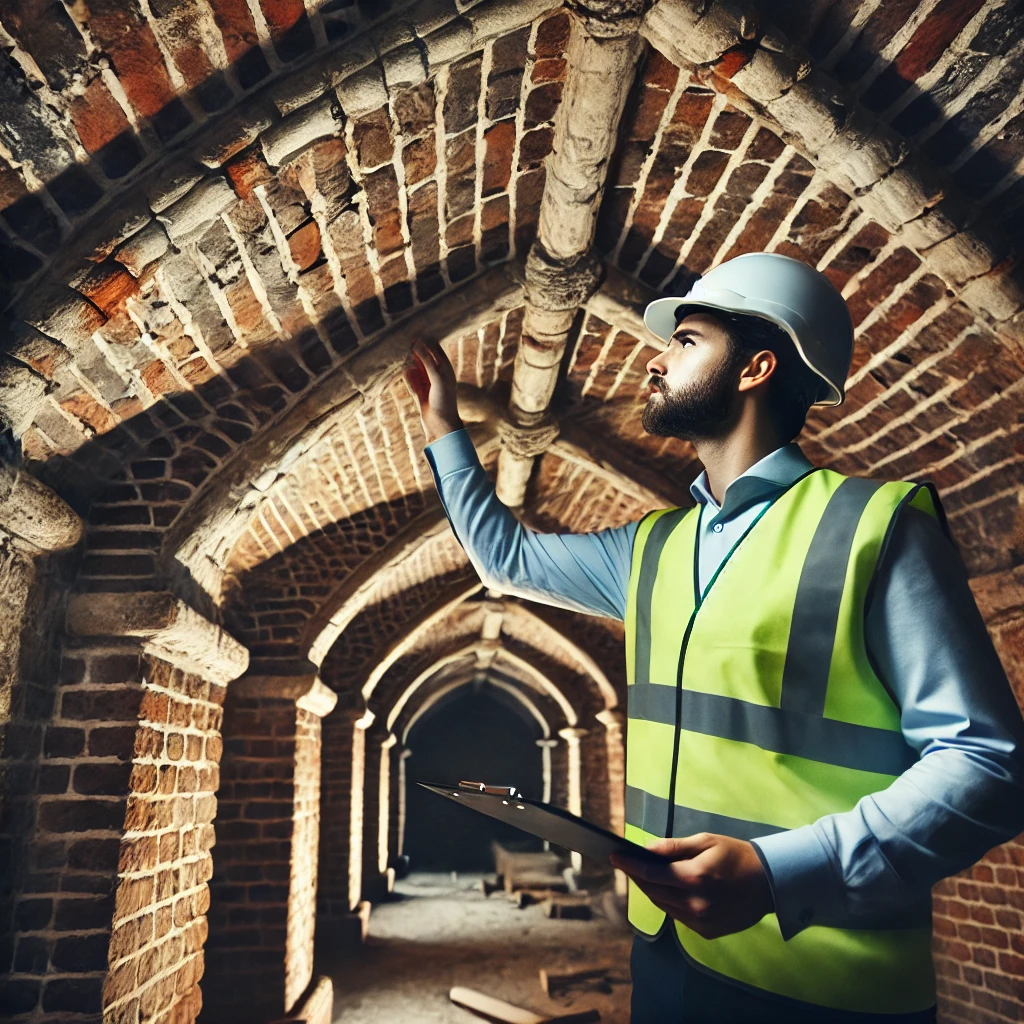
206, 211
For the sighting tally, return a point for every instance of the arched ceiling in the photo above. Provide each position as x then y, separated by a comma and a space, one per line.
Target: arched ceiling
222, 222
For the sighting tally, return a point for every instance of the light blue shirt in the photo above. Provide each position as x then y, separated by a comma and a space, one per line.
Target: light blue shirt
926, 637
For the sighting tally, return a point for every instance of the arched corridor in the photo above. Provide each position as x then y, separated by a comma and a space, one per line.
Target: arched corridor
236, 623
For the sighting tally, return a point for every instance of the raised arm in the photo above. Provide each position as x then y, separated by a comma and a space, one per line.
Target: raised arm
582, 572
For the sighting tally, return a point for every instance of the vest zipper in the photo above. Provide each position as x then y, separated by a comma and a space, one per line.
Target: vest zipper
698, 600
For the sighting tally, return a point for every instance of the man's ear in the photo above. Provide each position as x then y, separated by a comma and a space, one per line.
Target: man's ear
758, 370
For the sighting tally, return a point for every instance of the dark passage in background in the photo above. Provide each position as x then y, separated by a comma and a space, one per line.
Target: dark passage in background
477, 732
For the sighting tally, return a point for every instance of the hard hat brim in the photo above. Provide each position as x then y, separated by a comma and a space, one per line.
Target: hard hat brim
660, 319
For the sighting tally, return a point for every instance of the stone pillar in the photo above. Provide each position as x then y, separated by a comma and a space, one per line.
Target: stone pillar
401, 797
386, 809
357, 826
572, 736
546, 746
334, 892
112, 918
39, 535
376, 800
614, 722
263, 913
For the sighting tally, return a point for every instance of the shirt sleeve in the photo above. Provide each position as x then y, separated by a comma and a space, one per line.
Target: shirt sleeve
587, 572
963, 796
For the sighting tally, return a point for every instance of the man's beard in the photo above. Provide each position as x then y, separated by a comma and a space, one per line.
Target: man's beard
696, 412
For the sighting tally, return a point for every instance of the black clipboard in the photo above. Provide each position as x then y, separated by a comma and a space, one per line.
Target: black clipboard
544, 821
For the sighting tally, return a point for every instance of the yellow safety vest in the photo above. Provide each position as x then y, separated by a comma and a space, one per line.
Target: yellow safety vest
754, 708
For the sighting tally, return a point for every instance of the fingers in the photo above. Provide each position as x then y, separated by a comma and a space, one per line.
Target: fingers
417, 380
431, 349
428, 361
671, 873
685, 846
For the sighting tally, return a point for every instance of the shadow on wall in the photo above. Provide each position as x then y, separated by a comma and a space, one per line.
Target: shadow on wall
478, 732
80, 193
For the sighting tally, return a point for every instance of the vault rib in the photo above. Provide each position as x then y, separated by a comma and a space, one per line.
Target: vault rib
561, 270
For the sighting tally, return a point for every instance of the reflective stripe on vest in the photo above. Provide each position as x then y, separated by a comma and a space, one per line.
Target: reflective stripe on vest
754, 709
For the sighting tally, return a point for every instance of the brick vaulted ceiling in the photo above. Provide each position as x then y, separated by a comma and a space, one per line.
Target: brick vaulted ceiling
223, 221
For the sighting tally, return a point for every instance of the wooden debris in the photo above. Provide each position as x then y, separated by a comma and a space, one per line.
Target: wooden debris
510, 865
500, 1012
568, 910
555, 983
487, 886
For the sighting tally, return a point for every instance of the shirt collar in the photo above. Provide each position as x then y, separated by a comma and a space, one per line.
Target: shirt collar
762, 481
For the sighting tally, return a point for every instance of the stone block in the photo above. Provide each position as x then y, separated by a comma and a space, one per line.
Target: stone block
131, 215
391, 34
206, 201
232, 134
814, 110
30, 510
64, 315
766, 76
863, 152
449, 43
903, 195
930, 228
165, 627
362, 91
427, 16
297, 131
999, 293
306, 689
494, 18
173, 183
404, 67
143, 249
961, 256
349, 59
21, 391
299, 90
29, 346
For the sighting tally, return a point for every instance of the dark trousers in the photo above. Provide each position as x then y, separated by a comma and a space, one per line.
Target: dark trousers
667, 989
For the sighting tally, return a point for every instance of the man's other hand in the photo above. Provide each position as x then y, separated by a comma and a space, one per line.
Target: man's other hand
714, 884
431, 379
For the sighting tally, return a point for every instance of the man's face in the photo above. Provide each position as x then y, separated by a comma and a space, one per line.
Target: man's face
693, 382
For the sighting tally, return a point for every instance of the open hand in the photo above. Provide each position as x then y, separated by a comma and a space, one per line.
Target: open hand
714, 884
431, 379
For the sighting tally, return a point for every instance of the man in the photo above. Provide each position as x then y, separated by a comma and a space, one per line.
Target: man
818, 721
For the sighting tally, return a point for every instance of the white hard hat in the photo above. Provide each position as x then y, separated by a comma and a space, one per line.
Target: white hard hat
789, 293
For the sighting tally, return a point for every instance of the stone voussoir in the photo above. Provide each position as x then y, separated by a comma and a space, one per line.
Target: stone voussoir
34, 513
21, 391
1000, 292
404, 67
143, 249
362, 91
300, 129
449, 42
202, 204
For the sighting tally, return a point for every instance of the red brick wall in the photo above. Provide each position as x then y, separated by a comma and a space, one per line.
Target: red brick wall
333, 899
111, 915
159, 922
252, 870
979, 914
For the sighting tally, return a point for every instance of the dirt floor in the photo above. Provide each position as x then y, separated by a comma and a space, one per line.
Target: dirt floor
437, 932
